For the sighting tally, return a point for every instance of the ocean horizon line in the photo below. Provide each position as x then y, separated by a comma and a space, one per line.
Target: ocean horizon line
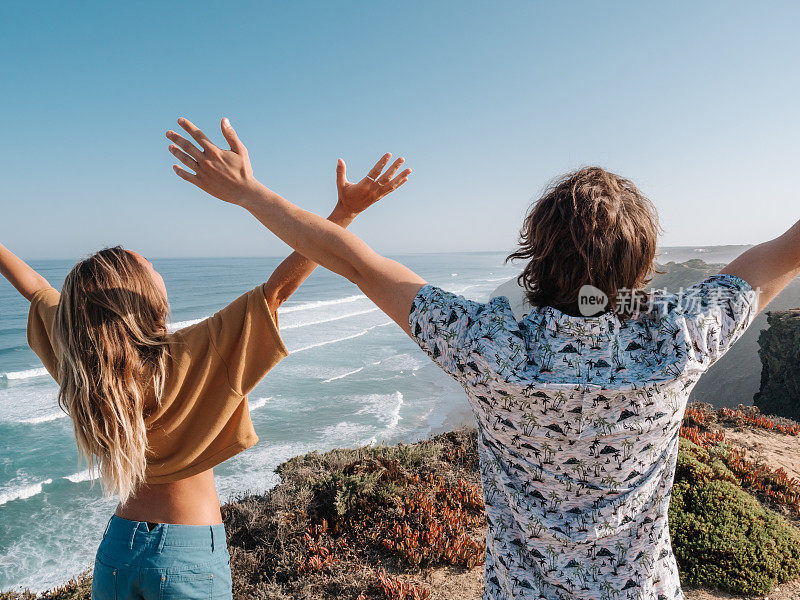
390, 254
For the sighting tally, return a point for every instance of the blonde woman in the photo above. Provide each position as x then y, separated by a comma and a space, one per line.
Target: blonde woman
578, 414
155, 411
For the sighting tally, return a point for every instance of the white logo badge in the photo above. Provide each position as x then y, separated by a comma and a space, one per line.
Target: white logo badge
591, 301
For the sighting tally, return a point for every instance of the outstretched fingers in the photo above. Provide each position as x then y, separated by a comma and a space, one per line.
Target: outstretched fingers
384, 179
341, 174
230, 136
183, 174
194, 131
184, 145
399, 180
375, 171
183, 157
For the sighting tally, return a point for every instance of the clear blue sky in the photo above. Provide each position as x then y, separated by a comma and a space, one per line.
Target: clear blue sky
696, 102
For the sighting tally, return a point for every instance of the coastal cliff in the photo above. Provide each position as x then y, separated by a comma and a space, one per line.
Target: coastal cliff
779, 350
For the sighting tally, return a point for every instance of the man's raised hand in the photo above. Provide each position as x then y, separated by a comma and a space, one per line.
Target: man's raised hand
225, 174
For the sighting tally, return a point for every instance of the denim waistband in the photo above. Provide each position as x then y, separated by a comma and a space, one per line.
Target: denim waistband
136, 533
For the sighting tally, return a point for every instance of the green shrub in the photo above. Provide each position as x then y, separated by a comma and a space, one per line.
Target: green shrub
342, 491
699, 465
721, 536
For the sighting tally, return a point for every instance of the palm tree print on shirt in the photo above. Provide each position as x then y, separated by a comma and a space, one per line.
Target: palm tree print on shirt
578, 422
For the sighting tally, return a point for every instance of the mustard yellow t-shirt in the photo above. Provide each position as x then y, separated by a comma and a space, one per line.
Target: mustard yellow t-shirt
203, 418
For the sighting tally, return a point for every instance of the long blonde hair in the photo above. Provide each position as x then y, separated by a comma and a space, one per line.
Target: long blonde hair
110, 329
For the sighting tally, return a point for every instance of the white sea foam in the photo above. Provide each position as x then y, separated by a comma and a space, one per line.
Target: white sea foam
181, 324
282, 311
395, 362
394, 418
330, 320
484, 284
32, 402
291, 309
319, 303
386, 407
345, 434
23, 492
85, 475
30, 490
342, 339
53, 416
343, 375
254, 470
257, 403
402, 362
44, 554
26, 374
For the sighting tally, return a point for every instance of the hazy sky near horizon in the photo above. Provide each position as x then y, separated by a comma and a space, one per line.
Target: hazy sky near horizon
696, 102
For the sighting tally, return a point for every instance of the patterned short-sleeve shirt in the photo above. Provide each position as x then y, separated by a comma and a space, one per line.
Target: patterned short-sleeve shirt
578, 422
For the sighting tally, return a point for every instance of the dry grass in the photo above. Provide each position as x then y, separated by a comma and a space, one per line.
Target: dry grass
348, 523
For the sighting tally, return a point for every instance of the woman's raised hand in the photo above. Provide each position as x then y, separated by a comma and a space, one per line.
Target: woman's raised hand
357, 197
225, 174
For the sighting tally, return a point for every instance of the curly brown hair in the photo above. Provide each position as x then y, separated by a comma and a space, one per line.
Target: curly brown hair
589, 227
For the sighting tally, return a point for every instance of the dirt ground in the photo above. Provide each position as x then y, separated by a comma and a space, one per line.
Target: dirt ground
775, 449
786, 591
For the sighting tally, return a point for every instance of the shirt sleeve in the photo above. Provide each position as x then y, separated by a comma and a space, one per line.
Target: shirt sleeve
453, 330
41, 320
245, 336
716, 313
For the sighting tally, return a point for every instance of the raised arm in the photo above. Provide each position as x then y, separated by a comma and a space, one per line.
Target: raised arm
227, 174
353, 199
19, 274
770, 266
296, 268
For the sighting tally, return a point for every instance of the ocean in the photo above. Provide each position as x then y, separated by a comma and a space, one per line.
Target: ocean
353, 377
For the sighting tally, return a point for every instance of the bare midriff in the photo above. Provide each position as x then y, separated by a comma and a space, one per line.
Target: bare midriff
190, 501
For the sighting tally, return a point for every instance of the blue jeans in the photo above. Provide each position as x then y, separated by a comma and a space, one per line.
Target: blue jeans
168, 562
